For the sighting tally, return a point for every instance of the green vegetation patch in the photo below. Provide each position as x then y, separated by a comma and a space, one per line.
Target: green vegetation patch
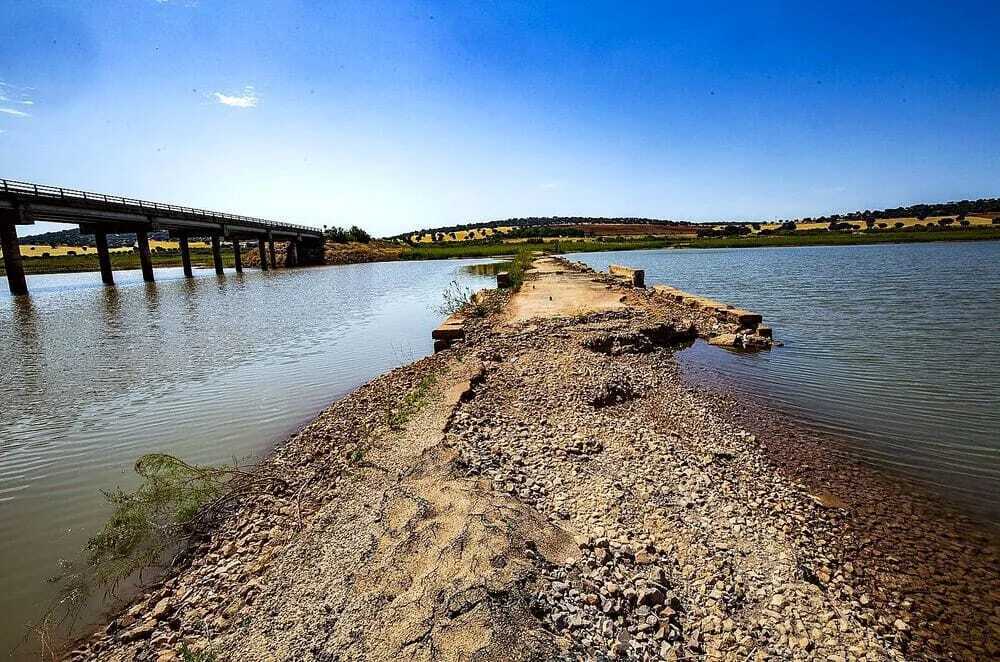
418, 396
827, 238
520, 264
174, 502
498, 249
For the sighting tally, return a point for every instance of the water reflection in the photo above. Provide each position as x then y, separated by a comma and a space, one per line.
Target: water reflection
25, 324
207, 368
487, 269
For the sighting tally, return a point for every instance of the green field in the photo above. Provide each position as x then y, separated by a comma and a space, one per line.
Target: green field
847, 238
119, 261
459, 249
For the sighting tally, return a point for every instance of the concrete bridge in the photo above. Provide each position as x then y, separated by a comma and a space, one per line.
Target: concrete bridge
22, 203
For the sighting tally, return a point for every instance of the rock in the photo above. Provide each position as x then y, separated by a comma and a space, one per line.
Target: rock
651, 597
160, 609
140, 631
828, 500
723, 340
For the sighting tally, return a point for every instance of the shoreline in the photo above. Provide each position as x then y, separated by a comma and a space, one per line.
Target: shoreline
599, 505
841, 448
353, 253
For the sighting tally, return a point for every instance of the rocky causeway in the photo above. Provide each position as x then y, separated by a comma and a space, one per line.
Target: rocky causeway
548, 486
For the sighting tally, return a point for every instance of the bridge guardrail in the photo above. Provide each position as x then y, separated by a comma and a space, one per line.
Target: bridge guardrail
55, 192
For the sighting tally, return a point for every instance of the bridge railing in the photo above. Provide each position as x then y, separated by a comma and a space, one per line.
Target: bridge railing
42, 191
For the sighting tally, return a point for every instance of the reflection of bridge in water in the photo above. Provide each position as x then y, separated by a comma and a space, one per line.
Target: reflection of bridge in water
98, 214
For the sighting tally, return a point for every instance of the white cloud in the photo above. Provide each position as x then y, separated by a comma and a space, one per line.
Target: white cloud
14, 94
246, 100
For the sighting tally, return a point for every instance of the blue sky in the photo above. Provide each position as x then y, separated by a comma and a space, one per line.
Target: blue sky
403, 115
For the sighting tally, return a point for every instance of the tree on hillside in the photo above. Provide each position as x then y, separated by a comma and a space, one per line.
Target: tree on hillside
358, 235
342, 236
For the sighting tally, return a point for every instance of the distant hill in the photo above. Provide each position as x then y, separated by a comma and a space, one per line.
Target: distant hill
985, 206
73, 237
542, 222
982, 206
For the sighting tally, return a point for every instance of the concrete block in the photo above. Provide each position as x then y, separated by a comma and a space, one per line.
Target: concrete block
451, 329
744, 318
637, 277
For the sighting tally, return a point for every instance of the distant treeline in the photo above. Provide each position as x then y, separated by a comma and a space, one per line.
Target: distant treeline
959, 209
543, 221
346, 235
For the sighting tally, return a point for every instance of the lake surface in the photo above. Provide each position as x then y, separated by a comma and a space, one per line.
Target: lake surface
892, 348
208, 369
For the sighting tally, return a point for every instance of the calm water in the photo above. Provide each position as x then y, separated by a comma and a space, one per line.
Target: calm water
894, 348
208, 369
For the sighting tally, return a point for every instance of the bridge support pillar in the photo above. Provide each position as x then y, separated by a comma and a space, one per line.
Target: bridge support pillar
185, 254
292, 254
145, 261
12, 259
104, 257
237, 257
270, 251
217, 254
262, 249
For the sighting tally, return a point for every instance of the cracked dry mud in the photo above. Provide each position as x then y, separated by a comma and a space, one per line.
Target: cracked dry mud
561, 493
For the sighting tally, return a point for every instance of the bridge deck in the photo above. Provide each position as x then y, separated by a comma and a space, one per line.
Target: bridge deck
26, 203
22, 203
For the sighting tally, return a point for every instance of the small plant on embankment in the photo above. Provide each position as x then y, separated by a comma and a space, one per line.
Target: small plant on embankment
458, 299
412, 403
175, 503
520, 264
188, 655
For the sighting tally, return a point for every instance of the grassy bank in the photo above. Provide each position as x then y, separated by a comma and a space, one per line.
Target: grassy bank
60, 264
456, 250
847, 238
